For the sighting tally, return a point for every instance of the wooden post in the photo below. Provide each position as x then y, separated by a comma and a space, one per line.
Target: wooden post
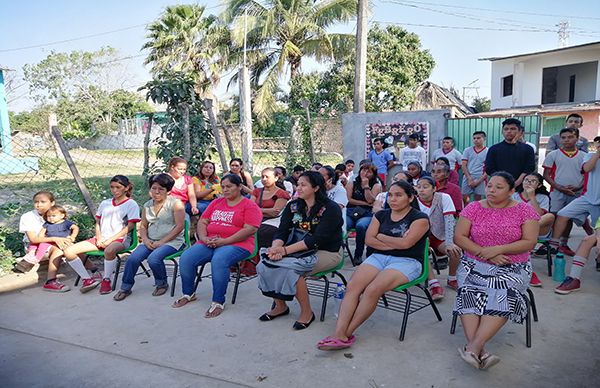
80, 184
227, 137
360, 76
208, 104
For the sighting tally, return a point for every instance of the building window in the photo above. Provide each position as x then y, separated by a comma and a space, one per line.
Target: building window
572, 88
507, 86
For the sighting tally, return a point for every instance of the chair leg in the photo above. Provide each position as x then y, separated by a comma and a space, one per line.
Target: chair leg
548, 258
405, 316
117, 270
199, 277
385, 301
528, 323
342, 278
238, 274
434, 260
431, 302
533, 306
453, 325
145, 270
174, 282
325, 298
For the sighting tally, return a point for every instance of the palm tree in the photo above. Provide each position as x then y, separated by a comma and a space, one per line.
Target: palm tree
183, 40
280, 33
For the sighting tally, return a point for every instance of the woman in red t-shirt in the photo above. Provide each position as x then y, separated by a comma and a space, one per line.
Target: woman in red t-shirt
184, 186
225, 237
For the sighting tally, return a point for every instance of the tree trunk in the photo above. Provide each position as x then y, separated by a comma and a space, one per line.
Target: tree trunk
227, 137
185, 129
360, 76
208, 104
246, 118
147, 144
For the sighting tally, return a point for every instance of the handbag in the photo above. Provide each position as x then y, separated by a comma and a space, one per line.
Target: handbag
295, 236
358, 212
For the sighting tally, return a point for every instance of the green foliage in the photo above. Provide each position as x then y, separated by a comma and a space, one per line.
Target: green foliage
282, 33
396, 65
187, 128
482, 104
11, 244
86, 224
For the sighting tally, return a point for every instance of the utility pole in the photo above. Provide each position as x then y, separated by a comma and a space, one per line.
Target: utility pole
360, 79
245, 106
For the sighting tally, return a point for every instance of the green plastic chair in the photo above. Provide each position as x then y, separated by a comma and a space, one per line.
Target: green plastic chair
172, 258
546, 243
98, 253
238, 273
324, 276
420, 282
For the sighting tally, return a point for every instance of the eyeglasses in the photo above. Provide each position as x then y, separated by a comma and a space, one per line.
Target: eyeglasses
534, 181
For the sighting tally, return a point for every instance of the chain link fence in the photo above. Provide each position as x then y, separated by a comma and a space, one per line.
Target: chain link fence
34, 162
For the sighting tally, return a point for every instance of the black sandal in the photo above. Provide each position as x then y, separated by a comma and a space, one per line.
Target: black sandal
268, 317
158, 291
119, 296
302, 325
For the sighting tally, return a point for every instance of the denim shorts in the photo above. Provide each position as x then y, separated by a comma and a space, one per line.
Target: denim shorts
411, 268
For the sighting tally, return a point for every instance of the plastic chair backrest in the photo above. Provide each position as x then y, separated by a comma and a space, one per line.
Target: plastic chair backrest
134, 239
186, 234
423, 276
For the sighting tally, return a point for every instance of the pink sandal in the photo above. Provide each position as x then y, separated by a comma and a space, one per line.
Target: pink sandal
330, 343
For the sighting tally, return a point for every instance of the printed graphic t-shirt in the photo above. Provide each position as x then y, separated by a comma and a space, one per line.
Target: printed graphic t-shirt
225, 220
399, 228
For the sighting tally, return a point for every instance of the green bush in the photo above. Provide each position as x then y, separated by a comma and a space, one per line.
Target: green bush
11, 245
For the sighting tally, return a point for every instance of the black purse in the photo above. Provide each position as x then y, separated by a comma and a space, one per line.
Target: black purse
358, 212
295, 236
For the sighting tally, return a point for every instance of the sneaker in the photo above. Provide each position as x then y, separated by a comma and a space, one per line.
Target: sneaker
565, 250
105, 286
452, 284
88, 285
569, 285
24, 266
553, 251
535, 281
97, 275
437, 292
55, 286
442, 262
542, 251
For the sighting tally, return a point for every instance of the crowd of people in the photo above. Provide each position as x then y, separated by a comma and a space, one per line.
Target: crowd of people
486, 227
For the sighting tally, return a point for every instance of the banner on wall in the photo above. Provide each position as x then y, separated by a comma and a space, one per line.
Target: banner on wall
396, 135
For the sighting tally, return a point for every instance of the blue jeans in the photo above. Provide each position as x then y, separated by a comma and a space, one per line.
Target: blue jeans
220, 258
156, 262
360, 226
201, 205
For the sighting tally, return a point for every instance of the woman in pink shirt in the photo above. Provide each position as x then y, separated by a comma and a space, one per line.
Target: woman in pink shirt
184, 185
496, 235
225, 236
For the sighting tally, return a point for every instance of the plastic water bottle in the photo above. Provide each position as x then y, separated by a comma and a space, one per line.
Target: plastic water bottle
559, 268
340, 291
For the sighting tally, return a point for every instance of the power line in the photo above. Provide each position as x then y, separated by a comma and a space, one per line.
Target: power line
506, 11
85, 36
462, 27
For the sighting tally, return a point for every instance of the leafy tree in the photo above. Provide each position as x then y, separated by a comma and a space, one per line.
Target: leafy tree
186, 129
281, 33
482, 104
185, 41
34, 121
396, 65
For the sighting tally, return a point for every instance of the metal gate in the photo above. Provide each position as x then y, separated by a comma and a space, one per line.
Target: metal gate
462, 130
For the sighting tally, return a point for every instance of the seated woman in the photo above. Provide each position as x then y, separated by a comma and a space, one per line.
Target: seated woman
441, 212
206, 185
308, 241
398, 236
115, 219
271, 200
496, 235
161, 232
184, 186
236, 167
225, 237
452, 173
533, 192
361, 192
381, 199
415, 172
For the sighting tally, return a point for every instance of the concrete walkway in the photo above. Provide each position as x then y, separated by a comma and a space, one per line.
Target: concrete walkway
66, 340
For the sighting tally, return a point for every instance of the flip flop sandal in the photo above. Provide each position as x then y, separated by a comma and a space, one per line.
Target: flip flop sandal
330, 343
119, 296
158, 291
488, 360
469, 357
185, 299
211, 310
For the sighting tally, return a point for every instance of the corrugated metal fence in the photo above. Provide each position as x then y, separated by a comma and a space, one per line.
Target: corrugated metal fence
462, 130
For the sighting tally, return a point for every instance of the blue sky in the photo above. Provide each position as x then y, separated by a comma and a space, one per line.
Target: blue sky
456, 50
